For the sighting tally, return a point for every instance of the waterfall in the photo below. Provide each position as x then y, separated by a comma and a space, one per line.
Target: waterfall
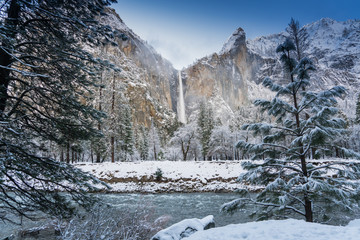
181, 103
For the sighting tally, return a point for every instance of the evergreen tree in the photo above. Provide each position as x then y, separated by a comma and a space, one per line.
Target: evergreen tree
126, 138
205, 124
291, 183
45, 82
357, 113
144, 143
298, 36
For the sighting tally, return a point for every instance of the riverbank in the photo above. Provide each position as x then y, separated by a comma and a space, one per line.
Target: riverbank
141, 177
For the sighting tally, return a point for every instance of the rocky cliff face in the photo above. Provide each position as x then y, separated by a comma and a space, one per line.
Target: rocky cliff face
333, 46
231, 79
149, 81
224, 79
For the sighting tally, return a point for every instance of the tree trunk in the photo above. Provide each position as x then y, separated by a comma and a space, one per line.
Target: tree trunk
155, 155
112, 140
112, 144
98, 156
68, 153
11, 23
308, 209
91, 154
62, 155
72, 156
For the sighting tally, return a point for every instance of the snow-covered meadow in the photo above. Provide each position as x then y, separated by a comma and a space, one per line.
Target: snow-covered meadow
191, 176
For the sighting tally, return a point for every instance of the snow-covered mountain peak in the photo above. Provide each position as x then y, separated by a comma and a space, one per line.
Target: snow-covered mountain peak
234, 41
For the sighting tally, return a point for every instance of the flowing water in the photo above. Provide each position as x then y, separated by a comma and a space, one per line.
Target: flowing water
179, 206
176, 206
181, 105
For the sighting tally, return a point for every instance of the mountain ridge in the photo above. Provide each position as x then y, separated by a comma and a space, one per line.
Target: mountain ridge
230, 79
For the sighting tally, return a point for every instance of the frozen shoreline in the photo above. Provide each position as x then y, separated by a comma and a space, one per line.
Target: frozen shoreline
200, 176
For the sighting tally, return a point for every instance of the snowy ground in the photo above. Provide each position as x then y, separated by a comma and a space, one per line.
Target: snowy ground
215, 176
290, 229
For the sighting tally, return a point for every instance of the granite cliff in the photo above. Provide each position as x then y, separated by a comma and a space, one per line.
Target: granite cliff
230, 79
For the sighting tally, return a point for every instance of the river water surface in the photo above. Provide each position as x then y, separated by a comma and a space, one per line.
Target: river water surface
180, 206
176, 206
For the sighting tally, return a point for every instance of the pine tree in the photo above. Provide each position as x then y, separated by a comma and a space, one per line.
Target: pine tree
46, 78
299, 37
144, 143
357, 113
125, 136
289, 181
205, 124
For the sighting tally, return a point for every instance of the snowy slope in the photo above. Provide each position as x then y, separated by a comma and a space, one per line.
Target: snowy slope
330, 43
290, 229
333, 46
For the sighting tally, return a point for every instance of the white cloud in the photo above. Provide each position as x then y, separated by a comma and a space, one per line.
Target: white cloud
182, 48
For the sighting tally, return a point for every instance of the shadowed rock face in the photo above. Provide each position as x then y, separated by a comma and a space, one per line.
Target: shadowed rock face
150, 81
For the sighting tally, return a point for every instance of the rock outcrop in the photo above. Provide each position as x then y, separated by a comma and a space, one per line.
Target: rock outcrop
223, 78
149, 80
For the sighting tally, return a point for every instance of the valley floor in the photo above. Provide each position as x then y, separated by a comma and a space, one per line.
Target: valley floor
191, 176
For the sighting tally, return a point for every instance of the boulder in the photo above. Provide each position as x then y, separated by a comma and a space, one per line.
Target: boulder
185, 228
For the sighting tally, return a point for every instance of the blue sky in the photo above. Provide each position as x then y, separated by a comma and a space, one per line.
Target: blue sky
183, 31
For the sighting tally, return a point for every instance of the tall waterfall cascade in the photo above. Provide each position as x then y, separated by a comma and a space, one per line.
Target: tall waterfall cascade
181, 102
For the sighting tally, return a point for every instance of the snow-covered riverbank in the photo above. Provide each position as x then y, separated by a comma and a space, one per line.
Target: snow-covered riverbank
214, 176
280, 230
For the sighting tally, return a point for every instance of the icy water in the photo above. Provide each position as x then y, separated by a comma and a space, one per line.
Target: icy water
181, 205
176, 206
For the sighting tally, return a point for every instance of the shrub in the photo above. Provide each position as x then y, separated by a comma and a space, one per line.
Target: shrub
158, 174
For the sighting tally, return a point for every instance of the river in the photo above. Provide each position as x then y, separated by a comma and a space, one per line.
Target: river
181, 205
177, 206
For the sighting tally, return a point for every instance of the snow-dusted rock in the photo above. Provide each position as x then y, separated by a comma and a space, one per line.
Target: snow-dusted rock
185, 228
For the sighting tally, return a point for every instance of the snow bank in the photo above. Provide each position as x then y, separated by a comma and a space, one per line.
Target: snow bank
184, 228
214, 176
280, 230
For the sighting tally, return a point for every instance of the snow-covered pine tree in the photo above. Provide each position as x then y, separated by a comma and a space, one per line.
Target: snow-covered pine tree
46, 78
290, 182
298, 36
205, 124
143, 143
357, 113
125, 136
